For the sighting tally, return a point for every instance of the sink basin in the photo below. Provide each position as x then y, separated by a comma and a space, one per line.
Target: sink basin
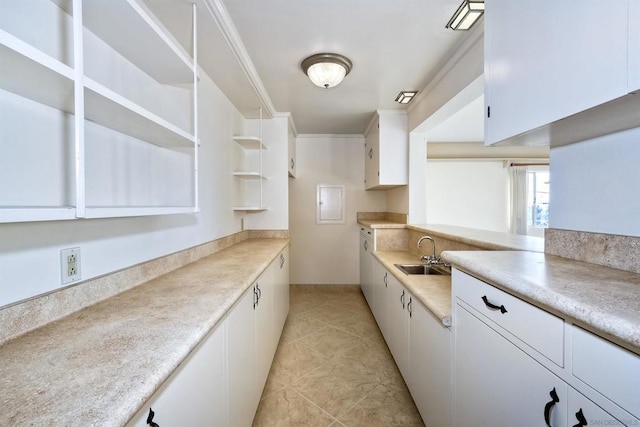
424, 269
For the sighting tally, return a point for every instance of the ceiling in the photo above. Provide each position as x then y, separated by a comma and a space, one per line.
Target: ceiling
253, 50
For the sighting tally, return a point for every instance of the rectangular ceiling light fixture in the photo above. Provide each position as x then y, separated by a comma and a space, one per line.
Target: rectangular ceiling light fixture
466, 15
406, 96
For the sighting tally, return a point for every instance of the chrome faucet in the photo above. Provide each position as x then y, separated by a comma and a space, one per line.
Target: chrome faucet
430, 259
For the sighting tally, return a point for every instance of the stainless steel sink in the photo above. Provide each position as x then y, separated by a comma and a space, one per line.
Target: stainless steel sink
424, 269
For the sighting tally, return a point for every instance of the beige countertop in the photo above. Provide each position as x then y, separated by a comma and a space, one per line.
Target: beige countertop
99, 365
380, 223
490, 240
434, 292
602, 299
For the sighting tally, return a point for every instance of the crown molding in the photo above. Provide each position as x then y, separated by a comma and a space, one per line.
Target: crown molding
228, 29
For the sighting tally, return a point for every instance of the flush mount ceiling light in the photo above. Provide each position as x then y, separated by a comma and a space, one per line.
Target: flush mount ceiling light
466, 15
326, 69
406, 96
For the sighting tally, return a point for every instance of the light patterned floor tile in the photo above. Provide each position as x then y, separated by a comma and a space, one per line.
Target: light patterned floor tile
332, 361
383, 407
288, 408
335, 387
330, 340
291, 362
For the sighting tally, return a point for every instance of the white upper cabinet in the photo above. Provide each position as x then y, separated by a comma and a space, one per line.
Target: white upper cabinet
291, 149
558, 73
386, 151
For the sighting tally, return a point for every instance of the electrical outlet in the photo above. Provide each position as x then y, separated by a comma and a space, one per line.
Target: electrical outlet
70, 265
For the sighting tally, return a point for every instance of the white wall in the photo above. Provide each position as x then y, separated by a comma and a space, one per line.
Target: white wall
30, 252
469, 194
594, 185
328, 254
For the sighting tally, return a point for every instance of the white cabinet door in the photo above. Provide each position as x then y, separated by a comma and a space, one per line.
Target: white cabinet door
372, 157
194, 395
380, 296
265, 326
281, 296
430, 357
366, 268
397, 334
292, 153
497, 384
241, 361
547, 60
386, 151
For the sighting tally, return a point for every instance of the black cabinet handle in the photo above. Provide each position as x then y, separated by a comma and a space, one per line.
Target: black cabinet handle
366, 245
259, 291
549, 406
582, 421
409, 307
402, 299
292, 163
150, 419
371, 153
493, 306
281, 261
255, 297
385, 280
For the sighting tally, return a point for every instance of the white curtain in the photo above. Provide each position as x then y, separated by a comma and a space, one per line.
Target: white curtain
518, 181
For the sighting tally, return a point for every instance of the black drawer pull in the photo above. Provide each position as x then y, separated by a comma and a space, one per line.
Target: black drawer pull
150, 419
493, 306
402, 299
549, 406
582, 421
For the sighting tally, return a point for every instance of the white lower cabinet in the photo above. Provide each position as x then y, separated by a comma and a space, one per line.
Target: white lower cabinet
429, 378
221, 381
266, 341
366, 263
380, 291
176, 404
397, 336
281, 281
420, 345
241, 360
497, 384
507, 374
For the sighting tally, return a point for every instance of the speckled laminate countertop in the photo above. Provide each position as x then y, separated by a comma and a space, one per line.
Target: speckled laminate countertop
602, 299
490, 240
434, 292
380, 223
99, 365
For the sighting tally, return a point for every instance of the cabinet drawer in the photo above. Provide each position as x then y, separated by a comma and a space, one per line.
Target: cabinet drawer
611, 370
541, 330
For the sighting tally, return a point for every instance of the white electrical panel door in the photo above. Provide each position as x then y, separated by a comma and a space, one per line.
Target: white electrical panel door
330, 204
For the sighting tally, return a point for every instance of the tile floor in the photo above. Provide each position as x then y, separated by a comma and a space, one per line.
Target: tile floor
332, 366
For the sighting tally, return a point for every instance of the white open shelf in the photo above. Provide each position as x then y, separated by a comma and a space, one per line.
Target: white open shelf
109, 109
249, 175
249, 142
36, 213
127, 27
126, 211
30, 73
151, 49
249, 209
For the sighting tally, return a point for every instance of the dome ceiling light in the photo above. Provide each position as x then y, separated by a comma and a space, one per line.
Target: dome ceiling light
326, 69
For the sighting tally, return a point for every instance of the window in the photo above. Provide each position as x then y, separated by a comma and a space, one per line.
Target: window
538, 197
